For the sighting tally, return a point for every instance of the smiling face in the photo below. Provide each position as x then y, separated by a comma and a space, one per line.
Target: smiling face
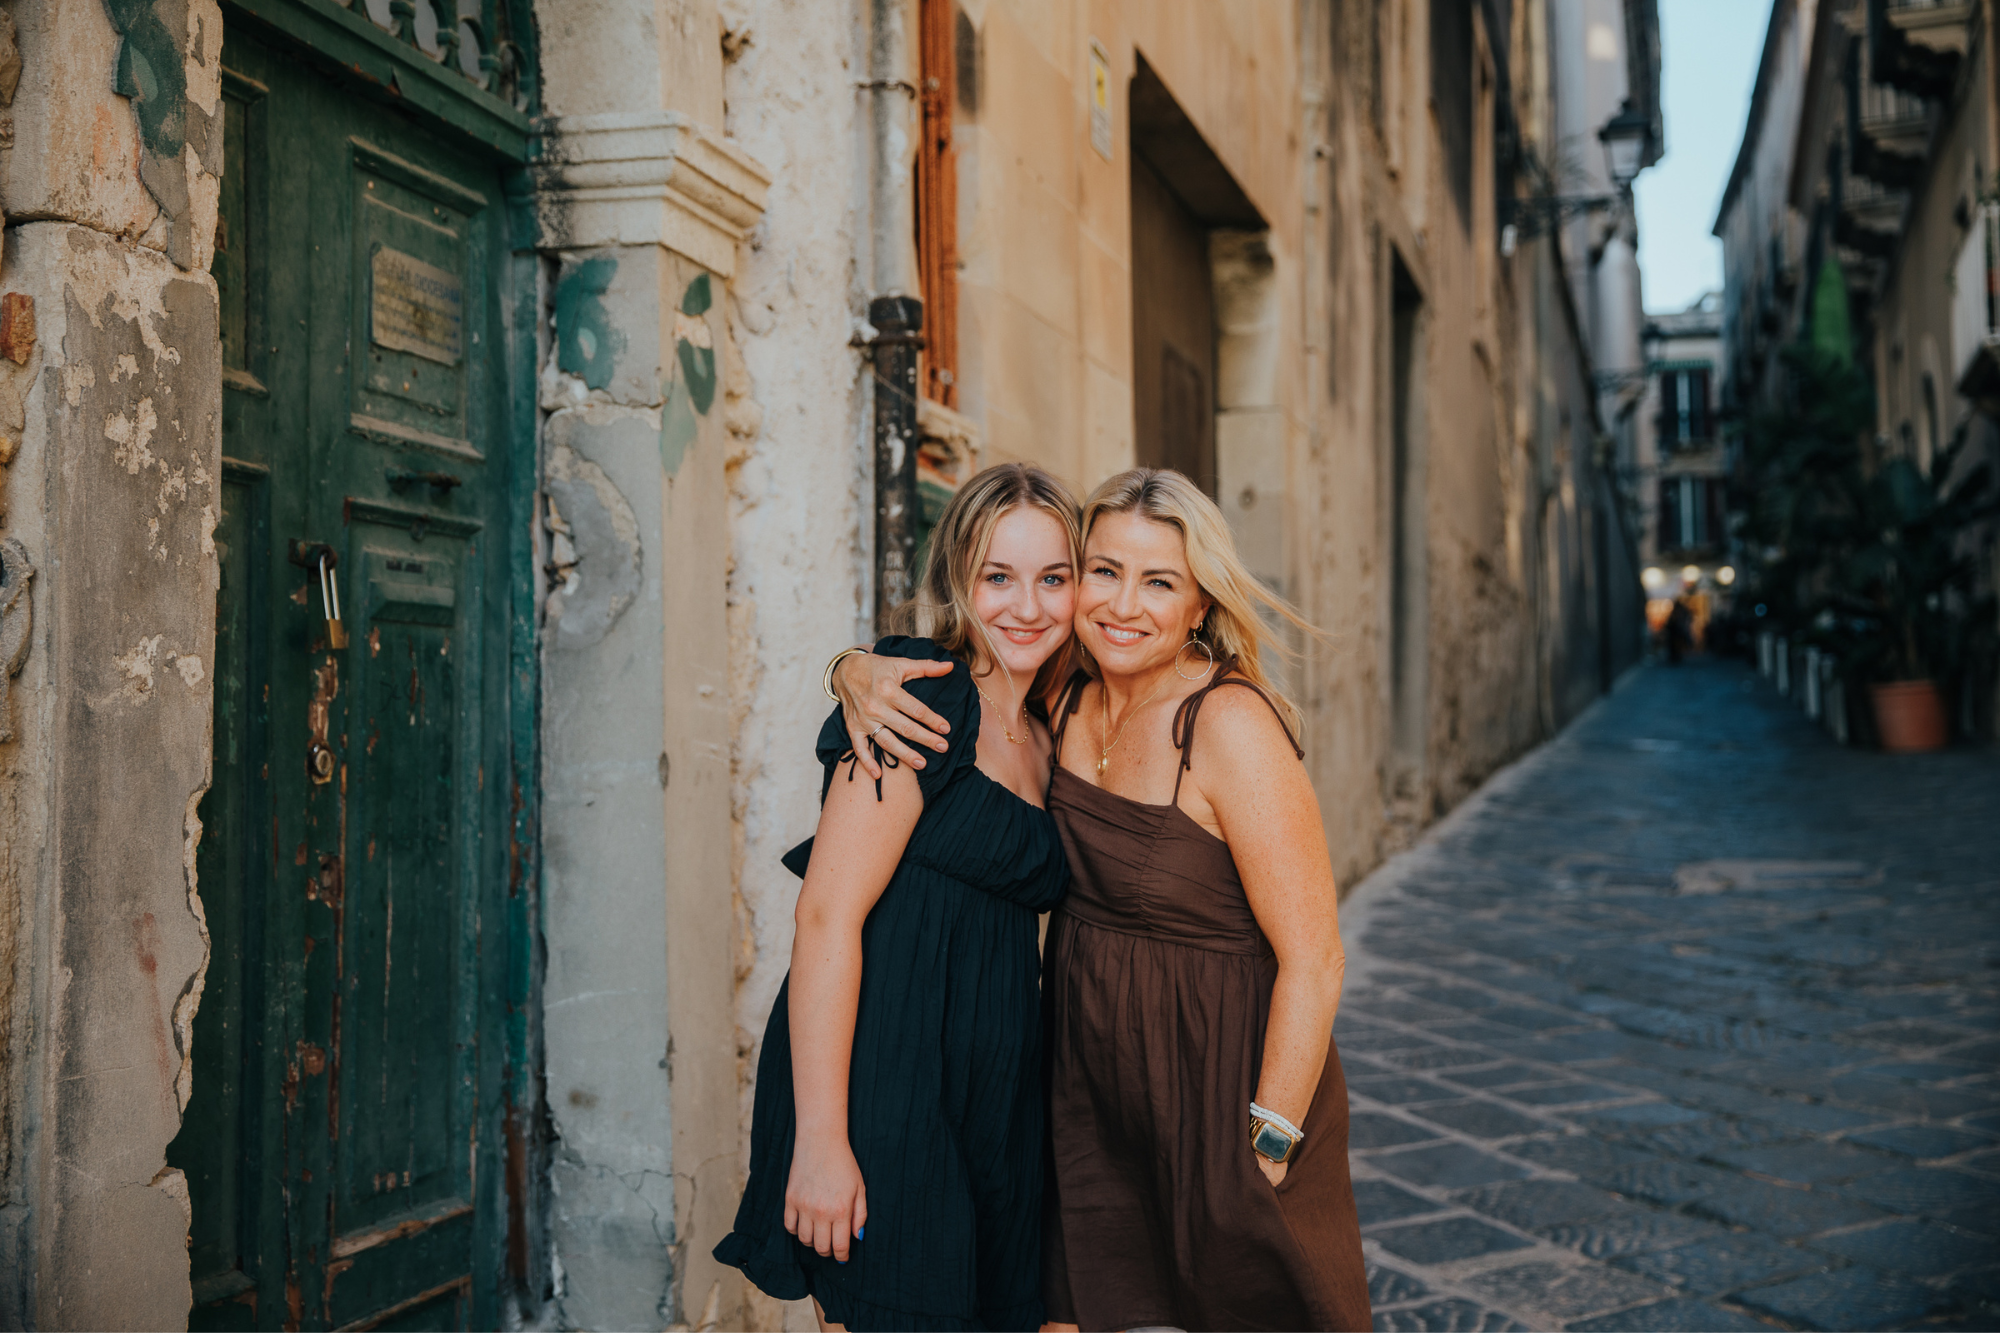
1136, 602
1024, 592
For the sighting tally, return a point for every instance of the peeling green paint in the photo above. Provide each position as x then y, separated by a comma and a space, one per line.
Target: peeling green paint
694, 346
587, 345
677, 426
698, 367
150, 72
698, 297
692, 392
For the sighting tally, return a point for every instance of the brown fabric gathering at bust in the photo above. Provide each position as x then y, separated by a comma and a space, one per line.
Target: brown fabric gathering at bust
1156, 991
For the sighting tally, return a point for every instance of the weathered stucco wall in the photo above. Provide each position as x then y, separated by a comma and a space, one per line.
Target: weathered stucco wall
112, 413
799, 486
641, 209
131, 599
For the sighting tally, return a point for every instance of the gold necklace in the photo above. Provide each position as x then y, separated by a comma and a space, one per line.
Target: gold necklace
1018, 740
1104, 724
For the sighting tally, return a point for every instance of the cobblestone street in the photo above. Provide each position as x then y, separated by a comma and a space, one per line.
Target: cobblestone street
1688, 1021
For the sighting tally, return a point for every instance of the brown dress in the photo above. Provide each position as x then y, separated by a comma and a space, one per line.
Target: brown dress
1156, 987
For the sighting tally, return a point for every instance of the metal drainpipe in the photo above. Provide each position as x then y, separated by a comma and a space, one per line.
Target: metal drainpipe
896, 316
899, 322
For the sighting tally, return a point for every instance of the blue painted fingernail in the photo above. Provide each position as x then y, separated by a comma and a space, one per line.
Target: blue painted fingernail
840, 1261
859, 1232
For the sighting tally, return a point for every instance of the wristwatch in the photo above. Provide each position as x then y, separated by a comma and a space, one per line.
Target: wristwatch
1274, 1137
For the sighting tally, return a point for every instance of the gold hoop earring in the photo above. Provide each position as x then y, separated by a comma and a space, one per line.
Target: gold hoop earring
1193, 642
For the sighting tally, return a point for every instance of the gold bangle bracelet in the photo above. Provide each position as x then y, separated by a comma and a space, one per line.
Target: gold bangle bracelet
826, 680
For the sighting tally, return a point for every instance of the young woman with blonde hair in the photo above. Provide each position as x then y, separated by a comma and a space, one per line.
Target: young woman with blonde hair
896, 1165
1198, 1116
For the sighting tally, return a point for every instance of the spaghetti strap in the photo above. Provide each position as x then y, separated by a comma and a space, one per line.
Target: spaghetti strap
1184, 717
1068, 700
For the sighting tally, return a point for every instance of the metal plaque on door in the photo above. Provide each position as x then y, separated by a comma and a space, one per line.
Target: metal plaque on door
416, 307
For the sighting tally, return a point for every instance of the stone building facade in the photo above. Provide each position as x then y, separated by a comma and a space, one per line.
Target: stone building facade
1862, 210
1684, 459
445, 442
1763, 238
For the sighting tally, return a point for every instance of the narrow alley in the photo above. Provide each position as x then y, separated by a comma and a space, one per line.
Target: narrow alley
1687, 1021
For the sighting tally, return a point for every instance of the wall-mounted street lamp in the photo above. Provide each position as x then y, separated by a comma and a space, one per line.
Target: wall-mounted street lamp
1624, 137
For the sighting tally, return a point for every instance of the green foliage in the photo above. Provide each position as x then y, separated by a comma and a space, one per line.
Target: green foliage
1865, 558
1832, 328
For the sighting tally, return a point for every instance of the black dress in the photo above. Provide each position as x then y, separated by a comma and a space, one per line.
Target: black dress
945, 1098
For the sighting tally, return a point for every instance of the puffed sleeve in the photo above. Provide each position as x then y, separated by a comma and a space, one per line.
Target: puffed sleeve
951, 697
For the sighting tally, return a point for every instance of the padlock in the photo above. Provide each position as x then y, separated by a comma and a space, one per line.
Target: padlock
329, 599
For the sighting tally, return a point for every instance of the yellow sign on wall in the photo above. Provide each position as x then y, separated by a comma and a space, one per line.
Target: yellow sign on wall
1100, 100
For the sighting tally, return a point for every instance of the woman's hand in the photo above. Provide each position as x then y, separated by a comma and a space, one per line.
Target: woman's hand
826, 1202
1273, 1171
874, 703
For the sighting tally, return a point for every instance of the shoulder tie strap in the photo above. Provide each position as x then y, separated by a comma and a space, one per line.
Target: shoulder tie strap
883, 758
1190, 709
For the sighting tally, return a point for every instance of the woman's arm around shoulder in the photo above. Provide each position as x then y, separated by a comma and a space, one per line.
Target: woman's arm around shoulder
875, 704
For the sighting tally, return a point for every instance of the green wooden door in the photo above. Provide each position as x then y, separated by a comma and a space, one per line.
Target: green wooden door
342, 1139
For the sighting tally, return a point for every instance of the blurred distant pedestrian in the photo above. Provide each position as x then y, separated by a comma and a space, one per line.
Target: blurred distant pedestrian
1680, 630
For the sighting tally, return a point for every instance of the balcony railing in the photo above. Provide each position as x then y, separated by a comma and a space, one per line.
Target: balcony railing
470, 63
474, 38
1886, 110
1918, 45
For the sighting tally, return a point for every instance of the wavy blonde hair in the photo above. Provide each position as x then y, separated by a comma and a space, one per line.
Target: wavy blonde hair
1233, 626
942, 608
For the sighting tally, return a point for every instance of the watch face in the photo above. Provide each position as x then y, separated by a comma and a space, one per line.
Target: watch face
1273, 1142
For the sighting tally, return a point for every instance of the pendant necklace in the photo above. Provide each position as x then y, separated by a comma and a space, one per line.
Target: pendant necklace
1018, 740
1104, 723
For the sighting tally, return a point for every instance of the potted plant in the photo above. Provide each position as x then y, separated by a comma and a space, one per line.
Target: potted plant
1865, 558
1907, 578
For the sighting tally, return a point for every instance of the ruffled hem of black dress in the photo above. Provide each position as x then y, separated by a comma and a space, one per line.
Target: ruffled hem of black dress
857, 1315
790, 1281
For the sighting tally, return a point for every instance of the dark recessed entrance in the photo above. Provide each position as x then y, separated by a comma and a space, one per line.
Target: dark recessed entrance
1181, 192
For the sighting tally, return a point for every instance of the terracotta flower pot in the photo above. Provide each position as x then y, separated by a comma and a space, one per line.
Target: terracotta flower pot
1909, 716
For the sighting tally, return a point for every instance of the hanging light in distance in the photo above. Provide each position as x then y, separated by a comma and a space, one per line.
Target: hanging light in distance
1726, 575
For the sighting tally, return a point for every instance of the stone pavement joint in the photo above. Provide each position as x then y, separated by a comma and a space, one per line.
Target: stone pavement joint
1689, 1020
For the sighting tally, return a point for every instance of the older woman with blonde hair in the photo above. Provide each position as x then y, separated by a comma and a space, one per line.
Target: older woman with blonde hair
1197, 1112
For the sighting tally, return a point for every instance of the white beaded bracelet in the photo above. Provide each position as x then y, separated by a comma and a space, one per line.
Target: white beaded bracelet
1269, 1116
